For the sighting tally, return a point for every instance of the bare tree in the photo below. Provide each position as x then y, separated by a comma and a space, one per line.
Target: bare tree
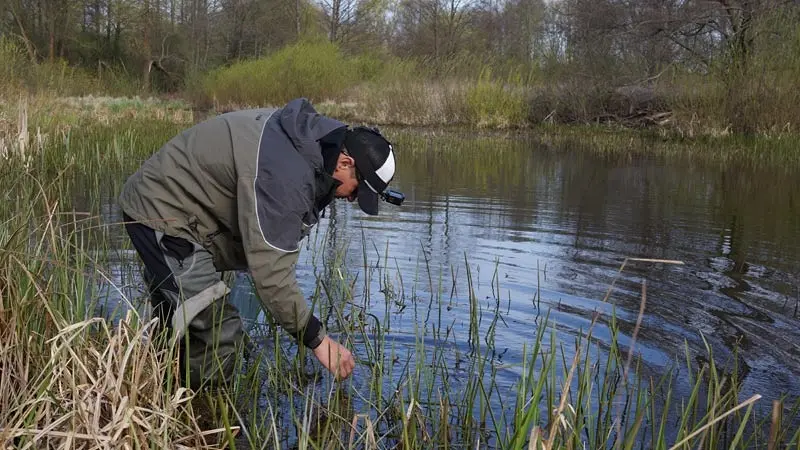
340, 15
608, 41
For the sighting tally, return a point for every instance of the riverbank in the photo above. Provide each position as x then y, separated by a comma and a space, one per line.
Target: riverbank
25, 121
401, 91
761, 99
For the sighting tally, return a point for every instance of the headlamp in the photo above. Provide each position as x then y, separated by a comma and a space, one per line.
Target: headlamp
393, 197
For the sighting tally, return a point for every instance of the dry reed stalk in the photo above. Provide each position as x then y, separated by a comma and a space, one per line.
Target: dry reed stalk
101, 388
22, 127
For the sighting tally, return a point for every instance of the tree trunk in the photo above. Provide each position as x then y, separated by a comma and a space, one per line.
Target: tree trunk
297, 18
146, 50
146, 74
334, 25
436, 35
28, 44
97, 15
108, 22
52, 45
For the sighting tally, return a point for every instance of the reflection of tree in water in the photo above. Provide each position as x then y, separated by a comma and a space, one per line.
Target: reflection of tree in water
595, 210
504, 183
497, 177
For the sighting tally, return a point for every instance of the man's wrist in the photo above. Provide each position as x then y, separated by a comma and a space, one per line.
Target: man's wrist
317, 341
312, 334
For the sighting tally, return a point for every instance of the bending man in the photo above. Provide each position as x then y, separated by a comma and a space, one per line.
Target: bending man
239, 192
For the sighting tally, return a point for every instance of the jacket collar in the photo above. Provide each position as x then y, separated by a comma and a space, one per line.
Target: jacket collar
324, 190
304, 126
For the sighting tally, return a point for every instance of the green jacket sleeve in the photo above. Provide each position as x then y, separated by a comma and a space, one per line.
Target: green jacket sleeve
273, 268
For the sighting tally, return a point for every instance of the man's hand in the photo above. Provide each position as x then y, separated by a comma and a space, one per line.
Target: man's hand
335, 357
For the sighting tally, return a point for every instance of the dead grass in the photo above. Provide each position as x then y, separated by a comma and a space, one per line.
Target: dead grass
52, 112
96, 387
67, 379
28, 121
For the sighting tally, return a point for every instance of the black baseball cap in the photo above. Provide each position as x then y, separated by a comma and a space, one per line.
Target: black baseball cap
375, 164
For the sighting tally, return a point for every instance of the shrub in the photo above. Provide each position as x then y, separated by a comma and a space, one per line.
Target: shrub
318, 71
493, 104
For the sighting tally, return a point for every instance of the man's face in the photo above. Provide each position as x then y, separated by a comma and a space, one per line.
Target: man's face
345, 173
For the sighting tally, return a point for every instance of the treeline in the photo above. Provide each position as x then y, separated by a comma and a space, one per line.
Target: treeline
727, 64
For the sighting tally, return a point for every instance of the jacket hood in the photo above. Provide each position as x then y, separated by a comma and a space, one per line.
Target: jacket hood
305, 127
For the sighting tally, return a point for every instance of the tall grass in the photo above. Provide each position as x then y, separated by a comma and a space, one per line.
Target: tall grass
66, 377
19, 74
772, 150
31, 126
761, 96
493, 104
404, 101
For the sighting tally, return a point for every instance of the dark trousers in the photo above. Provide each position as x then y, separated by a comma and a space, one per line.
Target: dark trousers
190, 299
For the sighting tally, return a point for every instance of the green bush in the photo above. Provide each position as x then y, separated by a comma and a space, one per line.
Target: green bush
494, 104
369, 67
318, 71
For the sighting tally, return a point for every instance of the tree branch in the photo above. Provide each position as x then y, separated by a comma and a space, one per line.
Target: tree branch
29, 46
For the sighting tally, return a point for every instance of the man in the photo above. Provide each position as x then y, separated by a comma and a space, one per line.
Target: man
240, 191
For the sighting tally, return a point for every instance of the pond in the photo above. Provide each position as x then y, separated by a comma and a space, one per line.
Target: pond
504, 226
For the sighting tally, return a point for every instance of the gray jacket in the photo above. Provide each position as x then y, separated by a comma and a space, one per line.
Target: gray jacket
248, 186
